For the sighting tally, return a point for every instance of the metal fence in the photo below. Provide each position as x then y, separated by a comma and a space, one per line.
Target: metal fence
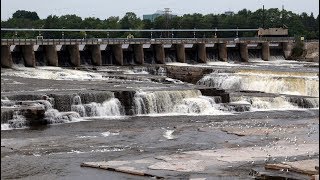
143, 41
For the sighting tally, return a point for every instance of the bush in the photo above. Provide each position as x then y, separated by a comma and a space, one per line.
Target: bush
297, 50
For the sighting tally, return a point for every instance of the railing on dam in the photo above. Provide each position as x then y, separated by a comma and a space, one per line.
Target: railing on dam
143, 41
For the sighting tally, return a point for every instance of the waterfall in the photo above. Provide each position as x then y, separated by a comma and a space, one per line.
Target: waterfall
53, 116
110, 107
254, 54
212, 55
170, 55
286, 83
181, 102
267, 103
78, 107
198, 105
149, 57
17, 121
15, 118
276, 54
233, 55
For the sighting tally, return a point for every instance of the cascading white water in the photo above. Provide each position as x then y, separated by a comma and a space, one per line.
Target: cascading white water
180, 102
77, 106
111, 107
197, 105
17, 121
285, 83
54, 116
267, 103
51, 116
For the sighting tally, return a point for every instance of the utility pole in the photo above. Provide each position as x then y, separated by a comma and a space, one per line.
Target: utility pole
167, 16
281, 16
263, 16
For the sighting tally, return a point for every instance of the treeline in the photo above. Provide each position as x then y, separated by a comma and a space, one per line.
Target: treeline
298, 24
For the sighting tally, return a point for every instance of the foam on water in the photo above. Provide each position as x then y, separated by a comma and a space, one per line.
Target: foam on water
51, 116
178, 64
168, 134
106, 134
220, 63
135, 72
287, 83
175, 81
52, 73
112, 107
268, 103
184, 102
7, 126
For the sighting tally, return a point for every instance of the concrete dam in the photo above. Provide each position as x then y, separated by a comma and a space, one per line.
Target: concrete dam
139, 51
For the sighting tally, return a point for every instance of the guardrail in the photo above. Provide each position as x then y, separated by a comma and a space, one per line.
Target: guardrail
143, 41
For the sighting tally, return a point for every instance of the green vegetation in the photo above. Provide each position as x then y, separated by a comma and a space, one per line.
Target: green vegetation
297, 50
298, 24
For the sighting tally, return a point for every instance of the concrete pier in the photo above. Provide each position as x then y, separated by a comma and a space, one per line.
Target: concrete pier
95, 54
265, 51
244, 52
181, 55
159, 51
51, 55
6, 58
28, 55
223, 52
118, 53
138, 53
74, 54
202, 53
286, 47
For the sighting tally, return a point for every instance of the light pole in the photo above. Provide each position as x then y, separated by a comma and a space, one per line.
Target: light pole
194, 33
151, 33
237, 33
62, 34
172, 34
215, 33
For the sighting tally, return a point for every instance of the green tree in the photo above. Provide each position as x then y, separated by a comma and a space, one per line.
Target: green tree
25, 15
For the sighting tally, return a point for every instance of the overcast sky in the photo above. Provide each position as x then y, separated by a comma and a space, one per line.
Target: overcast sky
106, 8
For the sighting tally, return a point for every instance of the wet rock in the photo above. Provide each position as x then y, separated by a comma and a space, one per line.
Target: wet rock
33, 114
236, 107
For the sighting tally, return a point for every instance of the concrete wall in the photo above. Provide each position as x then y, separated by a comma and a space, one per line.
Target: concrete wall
265, 51
51, 55
159, 51
244, 52
95, 54
202, 53
28, 55
138, 53
6, 58
223, 51
74, 54
181, 55
273, 32
118, 53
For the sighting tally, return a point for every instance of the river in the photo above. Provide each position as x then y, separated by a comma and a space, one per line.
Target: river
139, 113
